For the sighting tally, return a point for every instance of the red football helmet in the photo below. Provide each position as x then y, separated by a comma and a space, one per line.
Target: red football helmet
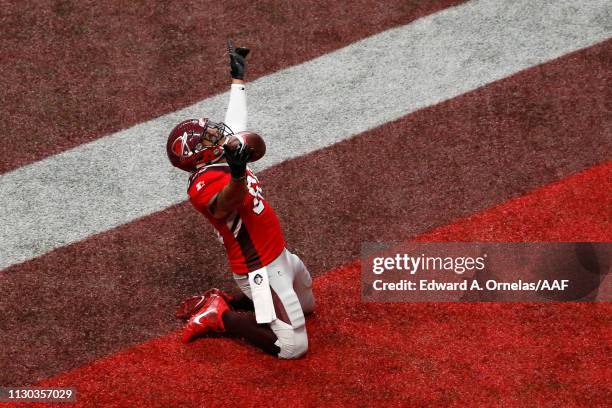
185, 146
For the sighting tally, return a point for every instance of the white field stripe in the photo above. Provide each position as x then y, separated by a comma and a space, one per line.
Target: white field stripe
118, 178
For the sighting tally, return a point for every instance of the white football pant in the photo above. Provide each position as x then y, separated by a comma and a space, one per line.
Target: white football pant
291, 286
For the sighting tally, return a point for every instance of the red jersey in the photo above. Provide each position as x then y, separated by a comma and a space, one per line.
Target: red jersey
252, 235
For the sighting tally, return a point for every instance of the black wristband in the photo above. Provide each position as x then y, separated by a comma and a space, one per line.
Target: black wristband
238, 172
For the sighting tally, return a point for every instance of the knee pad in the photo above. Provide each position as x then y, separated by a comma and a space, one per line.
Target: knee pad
293, 343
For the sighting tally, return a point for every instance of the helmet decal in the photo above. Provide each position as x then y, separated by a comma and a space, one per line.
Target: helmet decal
186, 145
181, 148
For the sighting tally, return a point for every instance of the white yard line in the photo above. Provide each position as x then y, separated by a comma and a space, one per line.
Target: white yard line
118, 178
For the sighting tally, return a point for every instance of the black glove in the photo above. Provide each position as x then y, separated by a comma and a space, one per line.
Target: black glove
237, 60
237, 160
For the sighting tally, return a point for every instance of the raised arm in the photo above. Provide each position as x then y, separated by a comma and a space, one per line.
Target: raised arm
232, 195
236, 115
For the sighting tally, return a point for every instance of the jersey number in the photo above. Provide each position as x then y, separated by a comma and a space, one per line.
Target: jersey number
255, 191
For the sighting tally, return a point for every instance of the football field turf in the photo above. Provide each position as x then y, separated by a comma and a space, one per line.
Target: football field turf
385, 121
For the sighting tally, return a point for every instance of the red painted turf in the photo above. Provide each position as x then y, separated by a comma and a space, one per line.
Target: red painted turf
401, 354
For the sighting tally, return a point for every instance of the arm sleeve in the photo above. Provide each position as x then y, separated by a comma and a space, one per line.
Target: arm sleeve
236, 115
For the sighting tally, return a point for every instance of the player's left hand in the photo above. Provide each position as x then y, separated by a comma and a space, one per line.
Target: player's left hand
232, 142
237, 60
237, 157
